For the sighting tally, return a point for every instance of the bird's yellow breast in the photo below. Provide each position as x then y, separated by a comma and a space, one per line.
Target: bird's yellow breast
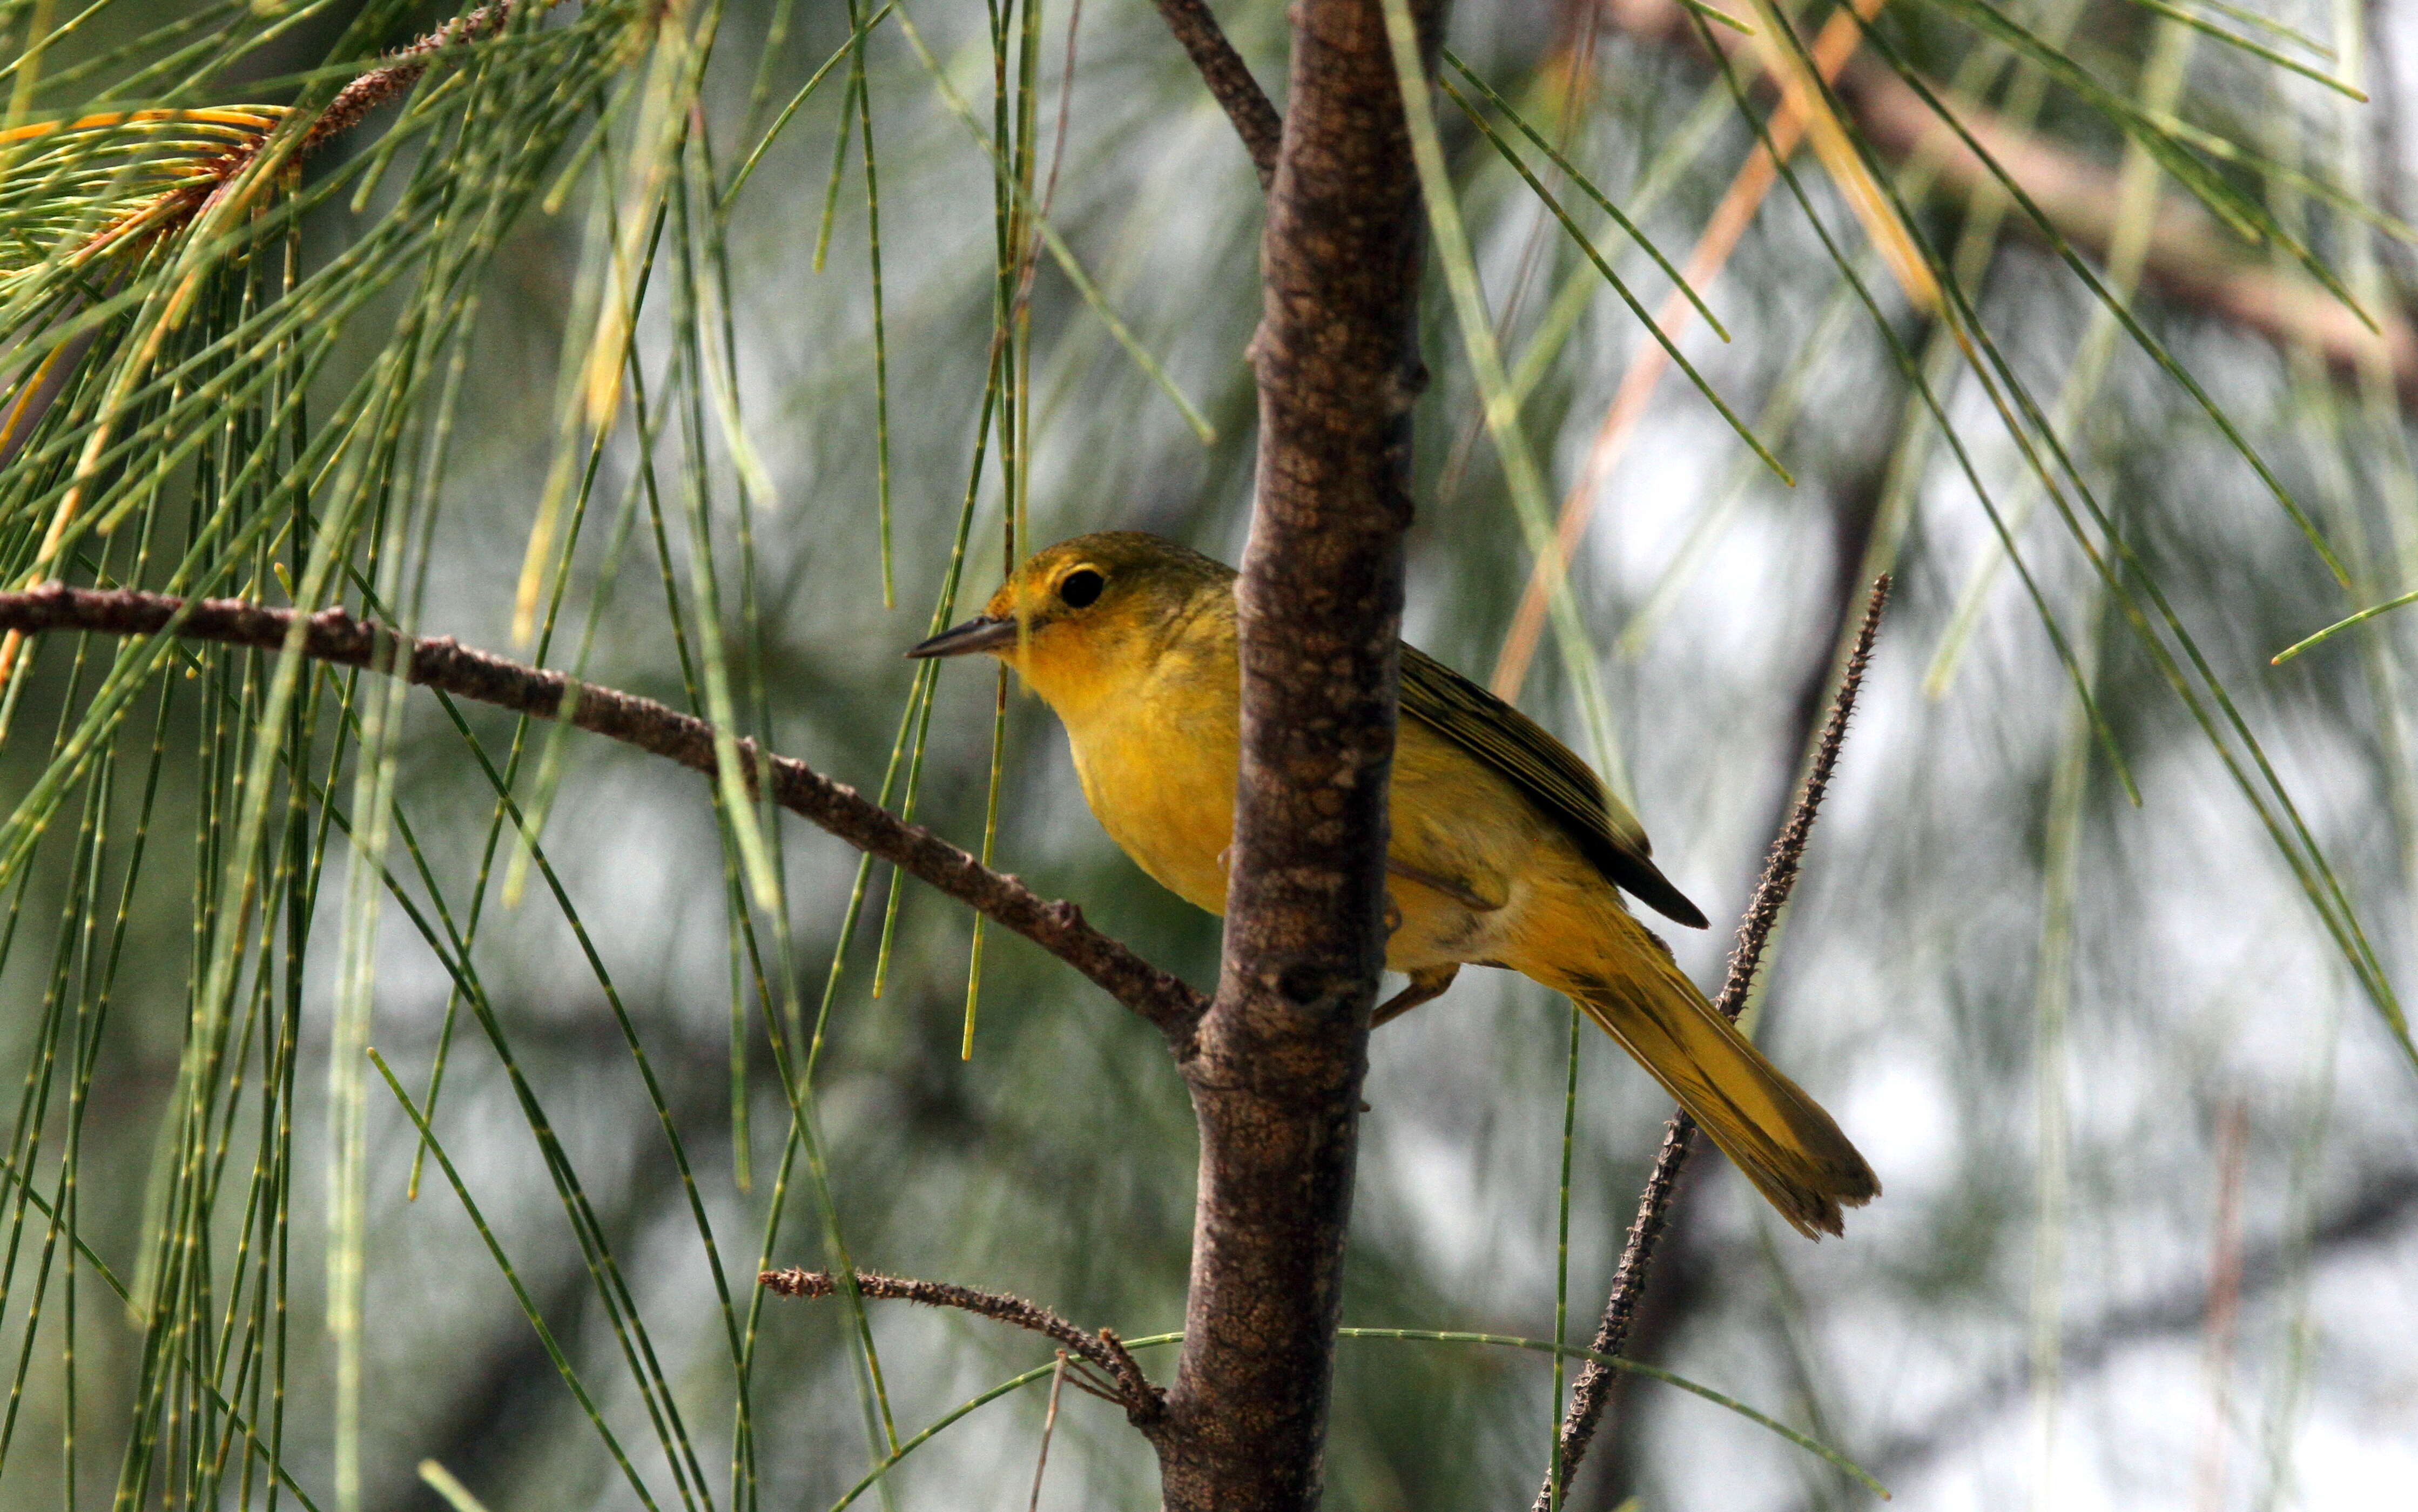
1153, 718
1152, 707
1158, 772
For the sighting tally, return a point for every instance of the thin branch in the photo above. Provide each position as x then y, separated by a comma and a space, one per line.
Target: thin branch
1141, 1401
1788, 851
1592, 1391
1229, 80
1088, 1380
333, 636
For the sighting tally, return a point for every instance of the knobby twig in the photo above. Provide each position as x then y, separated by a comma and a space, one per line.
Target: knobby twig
1591, 1393
1788, 852
1143, 1402
441, 663
1229, 80
403, 68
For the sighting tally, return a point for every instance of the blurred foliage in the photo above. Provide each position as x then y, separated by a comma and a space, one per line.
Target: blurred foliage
514, 362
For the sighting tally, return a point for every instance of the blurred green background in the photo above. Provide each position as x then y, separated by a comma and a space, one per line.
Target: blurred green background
2149, 1147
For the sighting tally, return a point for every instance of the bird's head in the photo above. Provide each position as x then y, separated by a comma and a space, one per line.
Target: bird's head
1079, 618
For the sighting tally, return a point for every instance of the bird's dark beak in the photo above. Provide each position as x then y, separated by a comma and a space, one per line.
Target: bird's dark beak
983, 632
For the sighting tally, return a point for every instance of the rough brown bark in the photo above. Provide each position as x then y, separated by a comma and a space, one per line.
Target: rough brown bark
332, 636
1276, 1080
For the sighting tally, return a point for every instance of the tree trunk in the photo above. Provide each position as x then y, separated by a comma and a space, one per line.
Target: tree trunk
1277, 1072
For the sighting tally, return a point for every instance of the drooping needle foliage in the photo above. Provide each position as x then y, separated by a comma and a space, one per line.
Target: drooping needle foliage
397, 1080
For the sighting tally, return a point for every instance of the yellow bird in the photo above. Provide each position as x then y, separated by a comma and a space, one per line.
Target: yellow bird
1505, 850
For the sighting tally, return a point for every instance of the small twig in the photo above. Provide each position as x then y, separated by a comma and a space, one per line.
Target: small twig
1591, 1393
1230, 79
1049, 1427
1134, 1393
1788, 851
1122, 1366
441, 663
1089, 1381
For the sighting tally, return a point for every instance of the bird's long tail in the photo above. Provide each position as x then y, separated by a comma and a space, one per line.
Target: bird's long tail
1787, 1146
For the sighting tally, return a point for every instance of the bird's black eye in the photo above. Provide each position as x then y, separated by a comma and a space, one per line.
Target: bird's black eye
1081, 588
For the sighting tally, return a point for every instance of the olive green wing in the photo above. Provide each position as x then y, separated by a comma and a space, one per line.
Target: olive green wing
1554, 778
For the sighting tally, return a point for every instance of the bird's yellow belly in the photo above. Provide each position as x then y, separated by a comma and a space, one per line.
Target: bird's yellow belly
1168, 802
1166, 796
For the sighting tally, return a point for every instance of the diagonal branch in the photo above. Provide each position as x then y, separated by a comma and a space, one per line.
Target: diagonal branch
1229, 78
1141, 1401
333, 636
1788, 851
1591, 1393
